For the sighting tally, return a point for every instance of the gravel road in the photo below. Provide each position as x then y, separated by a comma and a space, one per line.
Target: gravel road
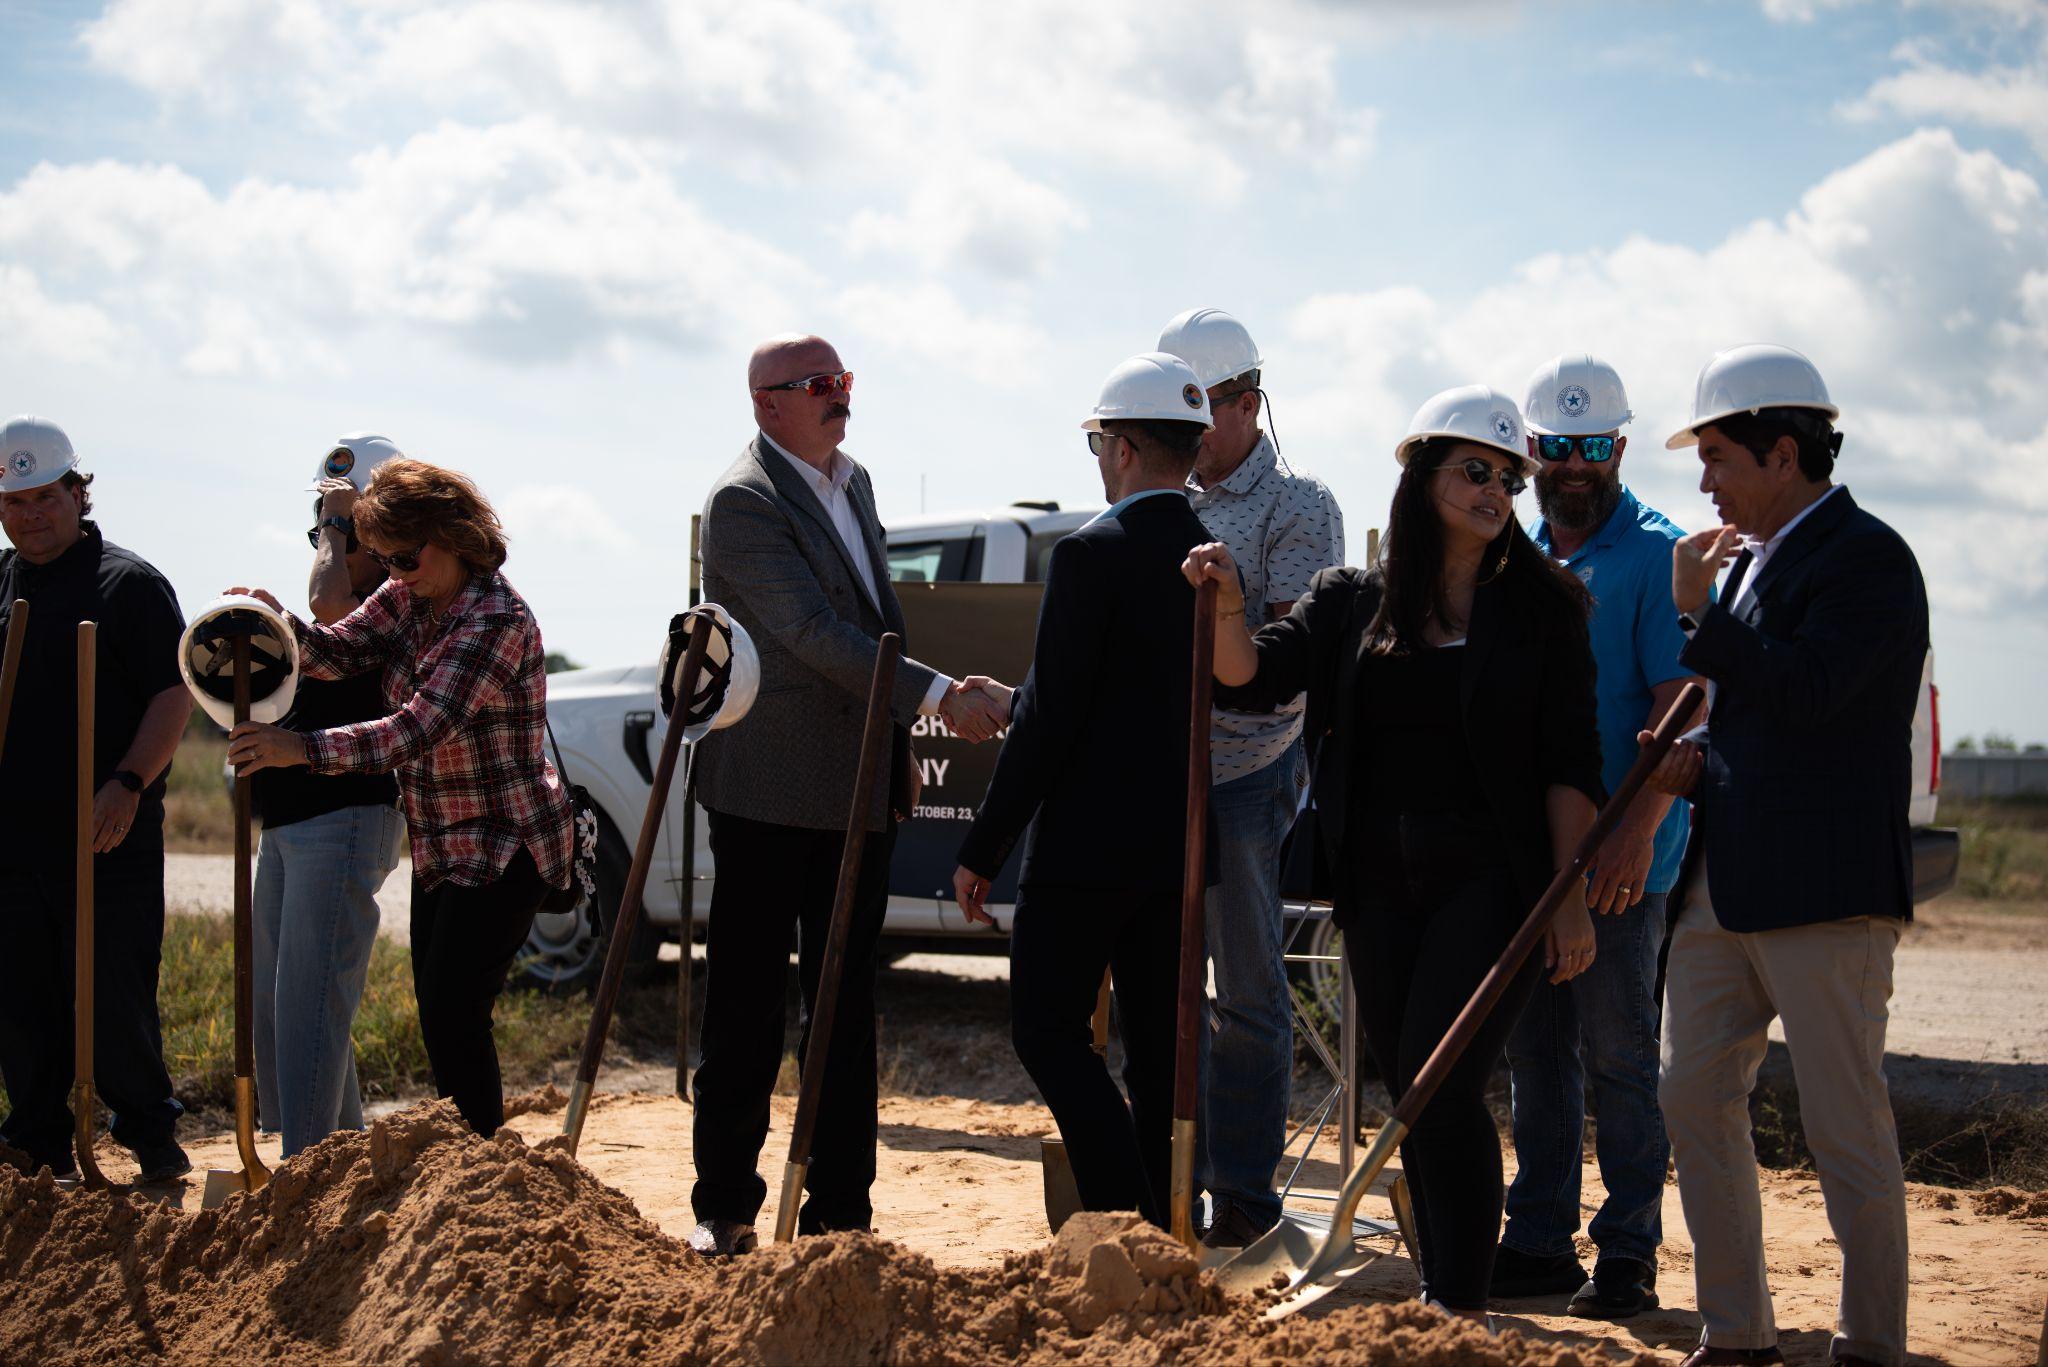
1970, 985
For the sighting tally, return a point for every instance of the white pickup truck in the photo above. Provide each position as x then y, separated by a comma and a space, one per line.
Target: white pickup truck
609, 728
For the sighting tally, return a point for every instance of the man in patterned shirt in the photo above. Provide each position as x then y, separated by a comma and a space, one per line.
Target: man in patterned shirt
1281, 526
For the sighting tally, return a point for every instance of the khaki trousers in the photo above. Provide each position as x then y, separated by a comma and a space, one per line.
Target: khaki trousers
1831, 984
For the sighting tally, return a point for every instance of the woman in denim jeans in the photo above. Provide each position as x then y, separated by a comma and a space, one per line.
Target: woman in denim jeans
329, 842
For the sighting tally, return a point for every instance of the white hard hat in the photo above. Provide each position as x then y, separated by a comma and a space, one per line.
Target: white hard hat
1151, 385
1747, 378
728, 680
36, 453
1472, 412
354, 458
206, 657
1575, 395
1214, 344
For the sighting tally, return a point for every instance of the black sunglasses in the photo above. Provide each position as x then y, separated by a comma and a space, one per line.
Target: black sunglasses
405, 562
1594, 449
1478, 472
1098, 442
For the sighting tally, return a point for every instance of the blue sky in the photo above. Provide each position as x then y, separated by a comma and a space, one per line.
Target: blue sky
535, 240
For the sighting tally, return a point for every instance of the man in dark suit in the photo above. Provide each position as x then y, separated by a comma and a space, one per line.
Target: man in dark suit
793, 550
1096, 765
1798, 875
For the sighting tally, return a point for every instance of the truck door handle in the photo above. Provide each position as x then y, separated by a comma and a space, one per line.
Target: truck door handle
634, 737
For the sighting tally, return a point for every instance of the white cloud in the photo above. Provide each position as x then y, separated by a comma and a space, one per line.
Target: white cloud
31, 322
217, 52
987, 216
1917, 279
2012, 97
562, 517
928, 322
526, 240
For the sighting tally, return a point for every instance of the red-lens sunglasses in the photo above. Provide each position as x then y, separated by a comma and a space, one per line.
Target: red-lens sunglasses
817, 386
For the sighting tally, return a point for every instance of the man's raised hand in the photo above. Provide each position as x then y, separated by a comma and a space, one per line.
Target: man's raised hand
1696, 562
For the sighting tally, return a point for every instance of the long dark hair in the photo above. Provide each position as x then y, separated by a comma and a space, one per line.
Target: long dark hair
1412, 561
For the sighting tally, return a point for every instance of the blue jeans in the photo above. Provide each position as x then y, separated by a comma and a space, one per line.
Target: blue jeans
1599, 1027
315, 923
1248, 1050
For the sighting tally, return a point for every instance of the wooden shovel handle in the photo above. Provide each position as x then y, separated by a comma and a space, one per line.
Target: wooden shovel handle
1194, 882
874, 757
10, 664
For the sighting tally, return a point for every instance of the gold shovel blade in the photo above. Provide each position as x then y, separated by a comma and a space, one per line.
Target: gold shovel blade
1062, 1193
1307, 1263
220, 1185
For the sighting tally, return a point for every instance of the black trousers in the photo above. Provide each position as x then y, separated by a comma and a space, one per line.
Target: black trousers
463, 944
1061, 942
775, 886
37, 921
1436, 914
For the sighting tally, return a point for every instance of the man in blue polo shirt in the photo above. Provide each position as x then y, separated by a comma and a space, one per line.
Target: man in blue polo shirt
1600, 1028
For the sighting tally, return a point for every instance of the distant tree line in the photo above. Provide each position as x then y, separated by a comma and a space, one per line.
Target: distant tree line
1992, 743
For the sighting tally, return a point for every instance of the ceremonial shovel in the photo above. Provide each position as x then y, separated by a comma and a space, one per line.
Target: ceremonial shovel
220, 1183
874, 760
82, 1102
1194, 959
627, 920
10, 664
1289, 1252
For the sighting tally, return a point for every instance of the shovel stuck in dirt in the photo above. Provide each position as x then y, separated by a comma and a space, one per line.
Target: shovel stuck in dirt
220, 1183
874, 767
627, 919
1194, 957
1313, 1268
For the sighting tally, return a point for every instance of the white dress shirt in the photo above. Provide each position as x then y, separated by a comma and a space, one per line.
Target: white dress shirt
830, 487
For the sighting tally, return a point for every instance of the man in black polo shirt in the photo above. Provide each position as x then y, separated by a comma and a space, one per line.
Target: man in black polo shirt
329, 842
68, 573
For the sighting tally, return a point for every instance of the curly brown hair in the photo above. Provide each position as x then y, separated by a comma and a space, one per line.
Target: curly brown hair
411, 503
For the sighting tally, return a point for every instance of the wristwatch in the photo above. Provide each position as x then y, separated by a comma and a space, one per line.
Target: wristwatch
347, 525
128, 779
1688, 623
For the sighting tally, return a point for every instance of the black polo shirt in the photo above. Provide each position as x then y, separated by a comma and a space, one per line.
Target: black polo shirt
280, 797
139, 626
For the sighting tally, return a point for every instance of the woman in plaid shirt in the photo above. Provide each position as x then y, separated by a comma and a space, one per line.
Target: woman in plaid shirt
488, 816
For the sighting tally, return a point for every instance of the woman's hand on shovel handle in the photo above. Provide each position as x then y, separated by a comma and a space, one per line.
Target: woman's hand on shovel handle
252, 746
970, 890
1237, 659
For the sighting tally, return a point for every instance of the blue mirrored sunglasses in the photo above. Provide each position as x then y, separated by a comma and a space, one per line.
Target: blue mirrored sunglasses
1594, 449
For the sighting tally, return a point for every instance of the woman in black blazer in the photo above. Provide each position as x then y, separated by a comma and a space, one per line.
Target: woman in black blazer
1450, 700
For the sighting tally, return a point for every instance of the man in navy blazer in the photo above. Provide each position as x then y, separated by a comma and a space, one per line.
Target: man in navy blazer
1798, 875
1096, 765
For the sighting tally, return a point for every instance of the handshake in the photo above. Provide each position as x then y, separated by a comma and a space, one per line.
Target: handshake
976, 708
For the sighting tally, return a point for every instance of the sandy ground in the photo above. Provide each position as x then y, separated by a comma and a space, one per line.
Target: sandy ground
959, 1181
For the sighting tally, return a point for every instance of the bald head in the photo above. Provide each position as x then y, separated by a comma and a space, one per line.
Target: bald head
791, 356
808, 426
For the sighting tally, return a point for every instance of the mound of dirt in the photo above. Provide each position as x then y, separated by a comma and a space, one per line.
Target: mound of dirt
2011, 1203
418, 1242
548, 1100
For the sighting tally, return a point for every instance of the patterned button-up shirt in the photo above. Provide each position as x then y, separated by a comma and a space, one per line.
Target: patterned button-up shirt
1281, 526
465, 736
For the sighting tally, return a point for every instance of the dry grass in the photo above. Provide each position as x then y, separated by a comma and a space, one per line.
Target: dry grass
198, 814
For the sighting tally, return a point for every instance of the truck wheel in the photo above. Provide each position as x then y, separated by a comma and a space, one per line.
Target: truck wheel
565, 951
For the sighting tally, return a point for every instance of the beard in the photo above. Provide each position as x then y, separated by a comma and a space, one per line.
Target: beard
1578, 510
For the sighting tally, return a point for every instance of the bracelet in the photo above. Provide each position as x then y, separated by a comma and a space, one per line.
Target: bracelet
1225, 616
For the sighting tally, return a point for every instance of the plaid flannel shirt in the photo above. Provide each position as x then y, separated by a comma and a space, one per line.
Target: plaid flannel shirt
469, 706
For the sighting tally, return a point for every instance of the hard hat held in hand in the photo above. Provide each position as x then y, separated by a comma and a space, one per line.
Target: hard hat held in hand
206, 657
1473, 412
1575, 395
355, 458
1214, 344
33, 452
1151, 386
1746, 378
727, 681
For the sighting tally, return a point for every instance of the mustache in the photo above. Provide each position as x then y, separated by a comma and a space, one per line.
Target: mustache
837, 410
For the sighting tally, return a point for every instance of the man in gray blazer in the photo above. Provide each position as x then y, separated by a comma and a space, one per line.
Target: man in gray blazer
793, 549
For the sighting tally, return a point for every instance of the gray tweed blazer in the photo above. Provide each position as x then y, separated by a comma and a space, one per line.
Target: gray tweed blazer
772, 558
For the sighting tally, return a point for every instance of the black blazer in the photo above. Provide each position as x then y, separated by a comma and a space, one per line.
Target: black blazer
1526, 691
1097, 755
1801, 809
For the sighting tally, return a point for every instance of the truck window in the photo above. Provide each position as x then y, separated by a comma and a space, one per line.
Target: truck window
944, 561
1038, 556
